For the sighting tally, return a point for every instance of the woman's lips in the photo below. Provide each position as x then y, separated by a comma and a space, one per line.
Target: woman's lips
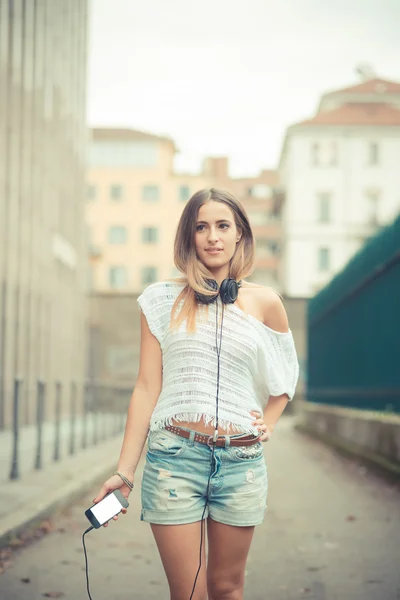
214, 250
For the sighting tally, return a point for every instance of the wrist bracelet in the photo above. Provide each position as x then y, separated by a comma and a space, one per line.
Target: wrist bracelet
124, 479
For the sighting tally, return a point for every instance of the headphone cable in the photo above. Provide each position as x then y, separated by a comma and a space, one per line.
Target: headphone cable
215, 436
86, 560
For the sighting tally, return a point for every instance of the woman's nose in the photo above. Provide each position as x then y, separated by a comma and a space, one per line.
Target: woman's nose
212, 235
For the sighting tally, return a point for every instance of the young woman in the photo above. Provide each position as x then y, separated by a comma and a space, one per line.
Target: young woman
216, 372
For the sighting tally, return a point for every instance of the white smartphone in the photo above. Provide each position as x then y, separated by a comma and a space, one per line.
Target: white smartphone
106, 509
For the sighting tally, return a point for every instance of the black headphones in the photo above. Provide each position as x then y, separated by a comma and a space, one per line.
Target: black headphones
228, 291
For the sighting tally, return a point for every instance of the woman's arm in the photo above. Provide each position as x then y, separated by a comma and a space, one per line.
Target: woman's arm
144, 398
276, 318
275, 407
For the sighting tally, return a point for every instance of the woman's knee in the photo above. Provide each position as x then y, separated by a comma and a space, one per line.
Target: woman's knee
225, 588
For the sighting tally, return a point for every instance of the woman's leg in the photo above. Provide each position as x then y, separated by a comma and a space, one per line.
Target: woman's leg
179, 548
228, 548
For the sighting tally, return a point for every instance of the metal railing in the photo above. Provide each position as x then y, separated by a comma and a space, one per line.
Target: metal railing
100, 415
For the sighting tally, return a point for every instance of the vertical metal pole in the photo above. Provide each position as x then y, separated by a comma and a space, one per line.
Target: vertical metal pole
56, 454
95, 416
105, 392
106, 401
86, 392
3, 324
121, 413
101, 422
100, 395
115, 411
73, 418
39, 423
14, 472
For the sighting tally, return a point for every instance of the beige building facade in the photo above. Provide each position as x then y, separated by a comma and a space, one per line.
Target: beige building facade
43, 254
134, 202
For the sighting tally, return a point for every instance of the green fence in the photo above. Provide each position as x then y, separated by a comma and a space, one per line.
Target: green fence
354, 330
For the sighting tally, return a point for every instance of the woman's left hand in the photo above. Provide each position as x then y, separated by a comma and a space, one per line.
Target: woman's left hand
261, 426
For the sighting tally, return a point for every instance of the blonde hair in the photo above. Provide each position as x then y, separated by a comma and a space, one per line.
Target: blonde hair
195, 273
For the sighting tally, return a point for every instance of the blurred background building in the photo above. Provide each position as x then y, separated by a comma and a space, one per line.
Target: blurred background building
43, 253
135, 199
134, 202
341, 181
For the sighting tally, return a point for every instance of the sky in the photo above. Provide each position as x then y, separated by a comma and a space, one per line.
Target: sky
227, 77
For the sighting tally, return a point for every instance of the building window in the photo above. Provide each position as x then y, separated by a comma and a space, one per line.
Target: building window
372, 207
136, 154
263, 247
184, 193
258, 217
149, 275
91, 191
324, 207
260, 190
90, 277
175, 272
117, 235
116, 192
324, 259
118, 277
373, 153
315, 154
333, 154
151, 193
267, 247
149, 235
274, 247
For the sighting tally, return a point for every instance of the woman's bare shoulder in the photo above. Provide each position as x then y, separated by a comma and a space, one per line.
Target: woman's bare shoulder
262, 291
270, 306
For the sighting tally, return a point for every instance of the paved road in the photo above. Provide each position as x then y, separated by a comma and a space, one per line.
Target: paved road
332, 532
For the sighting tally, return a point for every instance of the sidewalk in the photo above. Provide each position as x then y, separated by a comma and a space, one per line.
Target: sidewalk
36, 494
28, 442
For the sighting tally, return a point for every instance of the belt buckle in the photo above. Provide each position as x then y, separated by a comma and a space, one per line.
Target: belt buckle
211, 443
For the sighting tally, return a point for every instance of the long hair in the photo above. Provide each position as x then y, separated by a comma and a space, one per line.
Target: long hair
194, 272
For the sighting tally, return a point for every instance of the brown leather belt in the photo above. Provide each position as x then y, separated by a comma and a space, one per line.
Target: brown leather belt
203, 438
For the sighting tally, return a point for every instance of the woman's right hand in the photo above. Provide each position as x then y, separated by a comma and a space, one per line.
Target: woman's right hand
113, 483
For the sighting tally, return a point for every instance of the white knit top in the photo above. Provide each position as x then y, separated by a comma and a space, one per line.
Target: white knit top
255, 362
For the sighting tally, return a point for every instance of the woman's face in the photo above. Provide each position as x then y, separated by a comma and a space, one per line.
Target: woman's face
216, 235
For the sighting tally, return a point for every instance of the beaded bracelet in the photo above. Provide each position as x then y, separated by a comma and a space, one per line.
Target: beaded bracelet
125, 480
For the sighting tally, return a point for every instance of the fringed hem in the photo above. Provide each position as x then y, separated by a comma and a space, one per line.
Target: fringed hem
207, 420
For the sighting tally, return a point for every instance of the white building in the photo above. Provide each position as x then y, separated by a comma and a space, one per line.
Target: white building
341, 178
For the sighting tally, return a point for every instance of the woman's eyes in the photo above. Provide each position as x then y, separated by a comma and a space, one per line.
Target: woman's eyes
221, 225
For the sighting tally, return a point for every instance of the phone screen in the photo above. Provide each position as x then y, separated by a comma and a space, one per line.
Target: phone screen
106, 508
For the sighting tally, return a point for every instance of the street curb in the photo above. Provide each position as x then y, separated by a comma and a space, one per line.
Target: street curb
381, 464
28, 517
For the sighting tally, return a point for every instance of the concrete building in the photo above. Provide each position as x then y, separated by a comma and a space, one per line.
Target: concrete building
341, 181
43, 255
135, 199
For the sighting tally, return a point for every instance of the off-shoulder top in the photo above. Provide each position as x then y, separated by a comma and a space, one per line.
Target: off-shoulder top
255, 362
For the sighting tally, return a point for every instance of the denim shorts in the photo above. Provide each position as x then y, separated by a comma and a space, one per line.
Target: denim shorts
175, 478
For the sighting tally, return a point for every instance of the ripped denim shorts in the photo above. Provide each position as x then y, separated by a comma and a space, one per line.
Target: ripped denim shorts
175, 478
